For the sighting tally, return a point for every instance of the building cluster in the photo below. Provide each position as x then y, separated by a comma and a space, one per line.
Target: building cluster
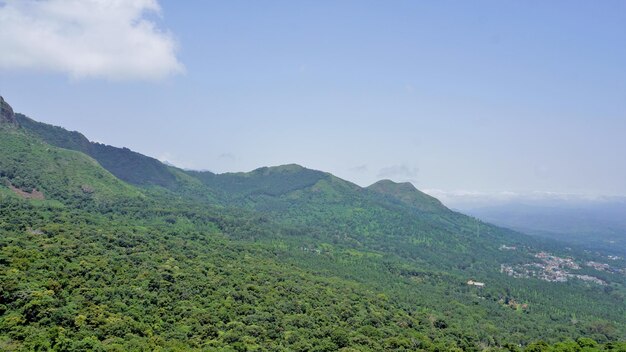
551, 269
476, 283
590, 278
554, 263
598, 266
605, 267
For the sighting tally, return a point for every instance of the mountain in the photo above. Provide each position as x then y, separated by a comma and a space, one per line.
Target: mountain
129, 166
268, 181
407, 194
394, 218
37, 170
277, 259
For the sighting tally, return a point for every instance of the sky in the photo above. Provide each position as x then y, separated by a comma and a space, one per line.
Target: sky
482, 98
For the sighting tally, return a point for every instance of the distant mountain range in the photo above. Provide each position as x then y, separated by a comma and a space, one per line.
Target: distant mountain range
594, 224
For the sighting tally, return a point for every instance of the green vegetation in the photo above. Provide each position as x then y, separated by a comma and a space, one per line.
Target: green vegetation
278, 259
408, 195
29, 164
125, 164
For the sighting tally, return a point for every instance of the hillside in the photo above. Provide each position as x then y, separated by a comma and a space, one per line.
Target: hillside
277, 259
265, 181
36, 170
125, 164
407, 194
389, 217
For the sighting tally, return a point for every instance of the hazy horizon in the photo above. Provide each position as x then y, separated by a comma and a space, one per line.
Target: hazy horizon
487, 98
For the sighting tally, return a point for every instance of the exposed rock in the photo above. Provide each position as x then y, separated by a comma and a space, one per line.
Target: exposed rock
6, 112
87, 189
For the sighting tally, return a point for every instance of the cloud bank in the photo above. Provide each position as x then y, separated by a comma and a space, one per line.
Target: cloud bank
465, 200
110, 39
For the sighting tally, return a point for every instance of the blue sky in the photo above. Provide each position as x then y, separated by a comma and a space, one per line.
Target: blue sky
481, 96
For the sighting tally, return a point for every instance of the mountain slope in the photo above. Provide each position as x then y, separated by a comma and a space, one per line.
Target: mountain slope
125, 164
270, 181
32, 168
388, 217
407, 194
282, 258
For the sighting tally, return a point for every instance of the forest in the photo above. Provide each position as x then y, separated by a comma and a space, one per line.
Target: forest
104, 249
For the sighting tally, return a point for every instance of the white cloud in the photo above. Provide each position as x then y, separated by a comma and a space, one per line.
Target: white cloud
111, 39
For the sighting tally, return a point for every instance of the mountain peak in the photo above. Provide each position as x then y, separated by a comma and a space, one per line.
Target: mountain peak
390, 183
406, 193
282, 168
6, 112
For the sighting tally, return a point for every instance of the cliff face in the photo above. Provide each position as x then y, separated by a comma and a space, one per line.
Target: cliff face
6, 112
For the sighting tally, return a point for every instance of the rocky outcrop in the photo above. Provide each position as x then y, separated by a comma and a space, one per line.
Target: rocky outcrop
6, 112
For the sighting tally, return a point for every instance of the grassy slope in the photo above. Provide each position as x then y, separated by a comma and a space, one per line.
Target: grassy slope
28, 163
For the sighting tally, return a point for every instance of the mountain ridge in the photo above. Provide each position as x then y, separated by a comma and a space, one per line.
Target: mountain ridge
130, 166
407, 193
142, 170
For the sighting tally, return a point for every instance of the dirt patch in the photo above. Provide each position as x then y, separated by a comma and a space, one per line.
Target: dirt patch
35, 194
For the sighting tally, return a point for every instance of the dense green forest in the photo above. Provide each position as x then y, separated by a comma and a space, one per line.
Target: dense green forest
104, 249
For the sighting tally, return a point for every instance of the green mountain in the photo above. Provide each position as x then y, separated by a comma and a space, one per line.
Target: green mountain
104, 249
265, 181
128, 166
408, 195
393, 218
36, 170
